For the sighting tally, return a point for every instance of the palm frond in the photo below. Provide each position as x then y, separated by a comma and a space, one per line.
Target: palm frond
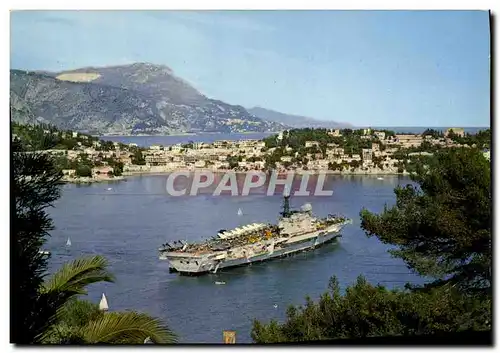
69, 319
127, 328
72, 278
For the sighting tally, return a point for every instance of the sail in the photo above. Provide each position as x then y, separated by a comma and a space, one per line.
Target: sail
240, 212
68, 242
103, 305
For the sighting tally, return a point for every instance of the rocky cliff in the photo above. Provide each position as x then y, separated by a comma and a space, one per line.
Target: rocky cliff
128, 99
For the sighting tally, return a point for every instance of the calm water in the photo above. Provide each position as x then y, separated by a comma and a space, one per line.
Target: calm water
128, 223
145, 141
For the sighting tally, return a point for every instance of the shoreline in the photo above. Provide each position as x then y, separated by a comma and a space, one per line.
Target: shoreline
86, 180
313, 172
187, 134
89, 181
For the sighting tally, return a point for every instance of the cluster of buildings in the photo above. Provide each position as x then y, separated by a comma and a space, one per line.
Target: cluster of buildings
341, 156
95, 155
382, 149
251, 154
245, 154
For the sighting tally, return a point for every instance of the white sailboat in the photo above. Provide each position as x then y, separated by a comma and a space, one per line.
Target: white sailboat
103, 305
240, 212
68, 242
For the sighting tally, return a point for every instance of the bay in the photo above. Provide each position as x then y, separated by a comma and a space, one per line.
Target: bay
146, 141
128, 223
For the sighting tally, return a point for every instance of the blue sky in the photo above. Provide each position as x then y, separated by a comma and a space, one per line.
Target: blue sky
393, 68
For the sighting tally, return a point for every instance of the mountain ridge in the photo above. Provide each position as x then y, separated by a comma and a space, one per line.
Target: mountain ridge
139, 98
296, 121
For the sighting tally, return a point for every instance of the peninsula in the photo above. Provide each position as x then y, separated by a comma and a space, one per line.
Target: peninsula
84, 158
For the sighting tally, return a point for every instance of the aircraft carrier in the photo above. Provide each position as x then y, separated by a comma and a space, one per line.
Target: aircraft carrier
296, 231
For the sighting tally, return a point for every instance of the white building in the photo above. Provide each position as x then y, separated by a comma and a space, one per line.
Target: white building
176, 148
380, 135
311, 144
334, 133
199, 164
367, 154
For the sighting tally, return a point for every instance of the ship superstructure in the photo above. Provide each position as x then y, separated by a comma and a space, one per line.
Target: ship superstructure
296, 231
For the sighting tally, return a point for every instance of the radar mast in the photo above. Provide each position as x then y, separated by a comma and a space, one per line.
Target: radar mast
286, 203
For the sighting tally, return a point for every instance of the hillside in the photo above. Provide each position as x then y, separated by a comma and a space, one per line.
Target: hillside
296, 121
127, 99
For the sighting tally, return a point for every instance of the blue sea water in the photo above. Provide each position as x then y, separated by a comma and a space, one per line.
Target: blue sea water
128, 223
146, 141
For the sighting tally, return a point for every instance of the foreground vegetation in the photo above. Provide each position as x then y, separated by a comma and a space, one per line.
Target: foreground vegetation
293, 144
50, 310
43, 137
441, 229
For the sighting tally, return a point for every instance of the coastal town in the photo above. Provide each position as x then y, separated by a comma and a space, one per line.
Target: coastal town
369, 151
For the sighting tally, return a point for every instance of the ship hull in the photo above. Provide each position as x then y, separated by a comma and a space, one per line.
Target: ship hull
199, 265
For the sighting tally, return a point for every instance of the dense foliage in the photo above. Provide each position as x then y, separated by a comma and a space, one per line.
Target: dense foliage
434, 133
81, 322
293, 144
441, 228
35, 186
43, 137
482, 139
40, 306
365, 310
46, 137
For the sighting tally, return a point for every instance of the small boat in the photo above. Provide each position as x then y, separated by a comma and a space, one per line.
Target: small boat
109, 189
380, 178
44, 252
68, 242
220, 282
240, 212
103, 305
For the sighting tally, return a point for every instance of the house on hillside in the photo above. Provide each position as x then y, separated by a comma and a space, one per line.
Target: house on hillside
309, 144
334, 133
101, 171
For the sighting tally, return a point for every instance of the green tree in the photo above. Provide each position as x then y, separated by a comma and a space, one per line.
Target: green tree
433, 133
39, 305
83, 171
365, 310
35, 185
138, 158
77, 321
442, 227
